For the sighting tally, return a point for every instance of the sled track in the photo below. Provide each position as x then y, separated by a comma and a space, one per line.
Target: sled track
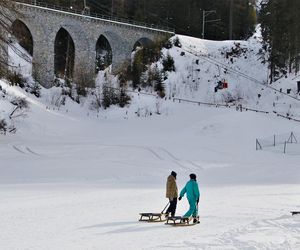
32, 152
17, 149
154, 153
284, 225
161, 154
25, 152
180, 165
168, 153
195, 165
173, 158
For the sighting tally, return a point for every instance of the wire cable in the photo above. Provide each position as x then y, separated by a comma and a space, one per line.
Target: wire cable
229, 69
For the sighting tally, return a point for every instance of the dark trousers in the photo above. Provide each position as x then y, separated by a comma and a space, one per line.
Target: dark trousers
172, 208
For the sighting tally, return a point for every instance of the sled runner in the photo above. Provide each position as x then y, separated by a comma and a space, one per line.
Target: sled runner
153, 217
181, 221
295, 212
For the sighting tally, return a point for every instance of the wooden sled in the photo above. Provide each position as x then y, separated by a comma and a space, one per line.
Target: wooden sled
153, 217
181, 221
295, 212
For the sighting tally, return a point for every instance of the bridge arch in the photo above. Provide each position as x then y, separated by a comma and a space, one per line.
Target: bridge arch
23, 34
64, 54
103, 53
143, 42
45, 26
120, 49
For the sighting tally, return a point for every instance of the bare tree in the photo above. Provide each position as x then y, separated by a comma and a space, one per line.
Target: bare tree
8, 10
5, 28
3, 126
21, 106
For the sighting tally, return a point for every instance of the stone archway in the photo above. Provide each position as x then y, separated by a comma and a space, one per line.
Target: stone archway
64, 54
103, 53
143, 43
22, 33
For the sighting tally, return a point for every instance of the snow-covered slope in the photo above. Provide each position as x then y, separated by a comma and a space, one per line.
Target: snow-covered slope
201, 64
73, 178
78, 181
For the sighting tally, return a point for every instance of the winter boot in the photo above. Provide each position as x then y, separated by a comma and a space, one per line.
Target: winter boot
196, 220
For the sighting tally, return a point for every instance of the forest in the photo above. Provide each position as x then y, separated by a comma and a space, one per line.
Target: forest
280, 25
234, 18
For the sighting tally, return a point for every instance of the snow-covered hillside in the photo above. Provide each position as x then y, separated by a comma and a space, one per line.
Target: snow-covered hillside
75, 178
201, 64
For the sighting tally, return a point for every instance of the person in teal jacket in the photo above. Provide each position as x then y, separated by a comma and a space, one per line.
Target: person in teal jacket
193, 194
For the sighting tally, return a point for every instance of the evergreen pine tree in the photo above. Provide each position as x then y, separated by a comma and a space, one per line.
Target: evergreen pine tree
280, 30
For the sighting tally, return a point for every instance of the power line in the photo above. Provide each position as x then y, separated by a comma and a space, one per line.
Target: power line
99, 6
107, 11
224, 66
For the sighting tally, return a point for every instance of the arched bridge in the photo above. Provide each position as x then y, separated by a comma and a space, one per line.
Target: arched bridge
65, 43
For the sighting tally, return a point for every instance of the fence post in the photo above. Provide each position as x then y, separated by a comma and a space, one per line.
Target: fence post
293, 136
274, 140
258, 146
284, 147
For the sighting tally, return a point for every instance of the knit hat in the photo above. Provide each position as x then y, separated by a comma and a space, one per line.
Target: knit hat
193, 176
174, 173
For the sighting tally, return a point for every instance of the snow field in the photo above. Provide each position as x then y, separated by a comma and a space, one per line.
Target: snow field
72, 178
73, 182
76, 216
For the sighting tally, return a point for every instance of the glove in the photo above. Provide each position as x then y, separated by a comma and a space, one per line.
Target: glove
179, 198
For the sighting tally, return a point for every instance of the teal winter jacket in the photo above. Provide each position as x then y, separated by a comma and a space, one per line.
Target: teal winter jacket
192, 190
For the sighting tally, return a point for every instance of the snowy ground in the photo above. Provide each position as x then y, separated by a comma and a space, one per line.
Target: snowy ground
48, 216
79, 182
76, 179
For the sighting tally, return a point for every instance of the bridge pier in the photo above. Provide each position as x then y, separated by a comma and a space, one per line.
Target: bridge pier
120, 60
43, 63
84, 68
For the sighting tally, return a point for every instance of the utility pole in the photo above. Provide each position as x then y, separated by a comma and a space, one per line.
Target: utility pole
231, 20
206, 13
86, 9
203, 23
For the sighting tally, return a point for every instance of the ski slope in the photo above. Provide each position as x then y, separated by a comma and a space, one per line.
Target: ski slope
72, 178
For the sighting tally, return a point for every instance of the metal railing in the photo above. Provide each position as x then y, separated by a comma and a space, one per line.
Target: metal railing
98, 16
226, 105
286, 117
202, 103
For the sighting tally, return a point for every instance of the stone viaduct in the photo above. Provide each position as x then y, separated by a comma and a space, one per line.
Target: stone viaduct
45, 23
